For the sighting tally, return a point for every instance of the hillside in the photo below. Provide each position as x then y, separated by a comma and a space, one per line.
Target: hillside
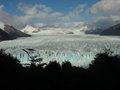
95, 31
29, 29
14, 33
114, 30
8, 32
4, 35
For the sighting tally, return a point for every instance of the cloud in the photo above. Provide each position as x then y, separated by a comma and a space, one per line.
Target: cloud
4, 16
69, 25
106, 13
32, 10
105, 21
1, 7
39, 25
16, 21
38, 11
106, 7
75, 14
102, 14
65, 25
31, 13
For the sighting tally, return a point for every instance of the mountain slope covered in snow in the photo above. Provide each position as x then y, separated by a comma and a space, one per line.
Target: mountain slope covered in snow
14, 33
29, 29
8, 32
66, 28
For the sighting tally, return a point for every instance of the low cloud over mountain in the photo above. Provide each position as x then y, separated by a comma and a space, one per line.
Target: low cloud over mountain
58, 28
98, 13
114, 30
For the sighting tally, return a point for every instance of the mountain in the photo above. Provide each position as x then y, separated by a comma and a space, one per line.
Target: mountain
58, 28
53, 31
29, 29
14, 33
114, 30
4, 35
8, 32
94, 31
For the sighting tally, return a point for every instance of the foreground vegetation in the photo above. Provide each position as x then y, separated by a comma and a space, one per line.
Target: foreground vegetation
103, 74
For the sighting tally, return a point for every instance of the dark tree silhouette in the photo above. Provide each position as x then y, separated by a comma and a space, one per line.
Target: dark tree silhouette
103, 74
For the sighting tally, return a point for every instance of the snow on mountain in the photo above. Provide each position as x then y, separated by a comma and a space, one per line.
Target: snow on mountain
58, 28
63, 31
66, 28
13, 32
29, 29
10, 32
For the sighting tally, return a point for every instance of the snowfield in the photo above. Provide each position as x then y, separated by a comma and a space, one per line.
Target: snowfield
80, 50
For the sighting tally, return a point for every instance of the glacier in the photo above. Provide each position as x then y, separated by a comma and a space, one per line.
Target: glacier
80, 50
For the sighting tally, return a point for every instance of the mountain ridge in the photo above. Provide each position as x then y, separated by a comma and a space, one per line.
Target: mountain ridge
113, 30
8, 32
4, 35
55, 30
14, 33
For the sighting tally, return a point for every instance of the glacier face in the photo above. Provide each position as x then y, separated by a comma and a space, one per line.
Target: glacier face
80, 50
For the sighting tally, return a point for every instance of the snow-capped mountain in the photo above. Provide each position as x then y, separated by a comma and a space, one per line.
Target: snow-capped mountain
63, 31
58, 28
10, 32
3, 34
13, 32
29, 29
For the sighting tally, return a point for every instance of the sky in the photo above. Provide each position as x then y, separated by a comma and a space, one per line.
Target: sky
96, 13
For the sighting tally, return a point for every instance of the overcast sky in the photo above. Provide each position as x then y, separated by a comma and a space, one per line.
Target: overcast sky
100, 13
